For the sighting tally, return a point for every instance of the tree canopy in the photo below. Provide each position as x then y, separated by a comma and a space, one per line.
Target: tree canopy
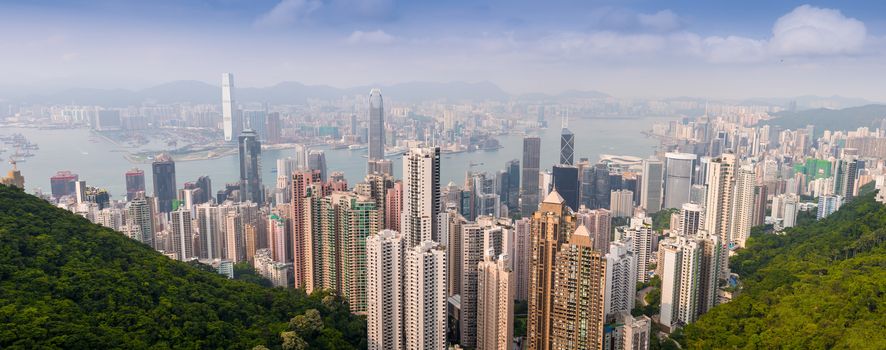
68, 283
821, 285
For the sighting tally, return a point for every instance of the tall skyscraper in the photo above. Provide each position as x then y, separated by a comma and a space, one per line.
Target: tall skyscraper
844, 177
471, 254
231, 124
579, 291
621, 203
140, 215
495, 303
567, 145
384, 289
529, 185
651, 187
164, 182
678, 178
521, 257
63, 184
135, 182
211, 238
718, 205
376, 128
641, 238
691, 216
681, 273
599, 223
317, 162
621, 277
425, 296
512, 168
551, 225
565, 178
250, 168
421, 195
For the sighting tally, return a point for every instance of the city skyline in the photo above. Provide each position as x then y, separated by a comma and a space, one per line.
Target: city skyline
610, 45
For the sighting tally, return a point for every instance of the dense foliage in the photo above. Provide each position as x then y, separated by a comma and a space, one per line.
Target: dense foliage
830, 119
819, 286
67, 283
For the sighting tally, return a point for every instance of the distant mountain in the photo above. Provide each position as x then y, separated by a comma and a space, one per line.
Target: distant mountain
66, 283
282, 93
812, 101
831, 119
540, 97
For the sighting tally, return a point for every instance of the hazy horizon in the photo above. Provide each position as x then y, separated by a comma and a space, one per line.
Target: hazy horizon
637, 49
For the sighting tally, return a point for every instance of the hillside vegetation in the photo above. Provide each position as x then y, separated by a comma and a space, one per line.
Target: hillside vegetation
66, 283
819, 286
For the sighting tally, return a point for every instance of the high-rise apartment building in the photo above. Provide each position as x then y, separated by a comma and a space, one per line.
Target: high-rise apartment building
472, 252
719, 202
521, 258
621, 277
577, 315
182, 235
164, 182
552, 224
599, 223
529, 190
828, 204
421, 195
495, 303
384, 290
679, 168
251, 188
621, 203
424, 296
742, 218
140, 215
691, 216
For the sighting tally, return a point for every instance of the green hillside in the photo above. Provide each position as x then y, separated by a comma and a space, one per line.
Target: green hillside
831, 119
67, 283
820, 286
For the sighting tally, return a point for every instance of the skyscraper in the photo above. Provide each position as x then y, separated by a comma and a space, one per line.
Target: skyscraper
512, 168
317, 162
425, 296
135, 182
182, 235
250, 168
743, 206
495, 303
164, 182
681, 274
565, 178
421, 195
472, 253
521, 257
678, 178
567, 146
230, 121
621, 277
651, 187
577, 314
551, 225
719, 202
529, 185
211, 229
691, 216
63, 184
139, 214
376, 128
384, 289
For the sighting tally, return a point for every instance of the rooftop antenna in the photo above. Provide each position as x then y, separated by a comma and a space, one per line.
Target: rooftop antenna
565, 120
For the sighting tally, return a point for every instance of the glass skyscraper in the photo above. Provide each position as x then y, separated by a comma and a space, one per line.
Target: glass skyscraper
250, 168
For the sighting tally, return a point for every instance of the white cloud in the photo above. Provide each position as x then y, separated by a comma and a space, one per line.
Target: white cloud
733, 49
70, 56
811, 30
662, 21
378, 37
287, 12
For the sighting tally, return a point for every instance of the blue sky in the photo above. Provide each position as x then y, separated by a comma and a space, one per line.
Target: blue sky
627, 48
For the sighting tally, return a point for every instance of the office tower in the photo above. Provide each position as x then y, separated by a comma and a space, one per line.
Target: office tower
621, 203
512, 168
742, 217
521, 257
274, 128
472, 253
257, 122
599, 223
425, 296
551, 225
135, 182
421, 195
844, 177
567, 145
718, 205
565, 178
250, 168
529, 186
376, 129
691, 216
317, 162
698, 194
651, 187
678, 178
139, 213
760, 201
621, 277
579, 290
63, 184
642, 237
384, 290
300, 159
586, 183
631, 333
210, 227
164, 182
681, 271
602, 186
495, 303
80, 191
204, 183
182, 236
230, 120
827, 205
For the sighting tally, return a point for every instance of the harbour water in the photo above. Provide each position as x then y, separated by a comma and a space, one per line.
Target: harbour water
102, 164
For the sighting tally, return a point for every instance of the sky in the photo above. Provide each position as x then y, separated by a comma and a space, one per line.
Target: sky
715, 49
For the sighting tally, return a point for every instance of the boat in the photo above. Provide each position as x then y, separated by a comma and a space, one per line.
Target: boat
357, 147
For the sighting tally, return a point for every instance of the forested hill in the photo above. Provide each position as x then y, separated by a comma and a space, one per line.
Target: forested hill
819, 286
67, 283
